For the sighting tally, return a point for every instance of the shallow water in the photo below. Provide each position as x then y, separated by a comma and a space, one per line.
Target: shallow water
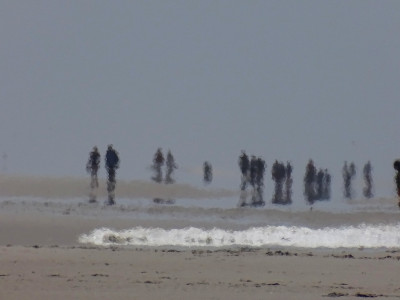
219, 222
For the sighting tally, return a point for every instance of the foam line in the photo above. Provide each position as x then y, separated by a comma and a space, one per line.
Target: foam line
368, 236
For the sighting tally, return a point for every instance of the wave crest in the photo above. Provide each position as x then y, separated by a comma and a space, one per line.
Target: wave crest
367, 236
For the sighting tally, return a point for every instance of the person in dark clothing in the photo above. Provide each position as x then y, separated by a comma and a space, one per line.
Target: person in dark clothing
258, 191
207, 172
367, 172
326, 195
253, 171
278, 173
112, 164
288, 183
349, 173
93, 166
260, 172
158, 162
171, 166
309, 182
320, 184
346, 180
244, 165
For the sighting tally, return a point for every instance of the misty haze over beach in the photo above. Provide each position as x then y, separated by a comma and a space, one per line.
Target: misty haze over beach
308, 89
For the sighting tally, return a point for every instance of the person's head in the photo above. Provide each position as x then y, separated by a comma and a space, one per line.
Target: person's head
109, 147
396, 164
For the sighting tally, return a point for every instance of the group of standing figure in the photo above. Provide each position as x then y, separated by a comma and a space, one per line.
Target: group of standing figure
111, 165
158, 163
170, 165
317, 185
349, 172
282, 175
252, 173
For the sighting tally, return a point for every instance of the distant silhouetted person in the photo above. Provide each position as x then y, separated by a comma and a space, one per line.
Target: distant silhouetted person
396, 166
278, 173
326, 194
367, 172
257, 168
260, 173
244, 165
112, 164
288, 183
253, 170
320, 184
207, 172
158, 162
309, 182
92, 168
171, 166
349, 173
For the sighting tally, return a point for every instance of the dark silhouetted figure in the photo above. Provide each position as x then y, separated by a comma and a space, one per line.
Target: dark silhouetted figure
309, 182
92, 168
320, 184
244, 165
171, 166
396, 166
326, 194
278, 175
258, 186
253, 170
349, 173
260, 173
207, 173
158, 162
288, 183
112, 164
367, 172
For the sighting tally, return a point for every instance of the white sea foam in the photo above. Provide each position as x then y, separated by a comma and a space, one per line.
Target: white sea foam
368, 236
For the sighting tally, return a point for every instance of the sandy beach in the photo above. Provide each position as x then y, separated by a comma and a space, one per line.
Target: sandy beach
199, 150
41, 256
93, 273
42, 259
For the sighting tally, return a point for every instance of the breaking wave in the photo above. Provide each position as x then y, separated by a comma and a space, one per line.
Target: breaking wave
367, 236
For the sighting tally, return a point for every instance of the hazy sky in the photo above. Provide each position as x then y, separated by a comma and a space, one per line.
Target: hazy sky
286, 80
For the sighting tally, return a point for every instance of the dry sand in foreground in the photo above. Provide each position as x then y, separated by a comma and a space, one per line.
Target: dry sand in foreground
118, 273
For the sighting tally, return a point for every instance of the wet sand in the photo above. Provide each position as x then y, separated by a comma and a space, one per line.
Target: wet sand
40, 258
70, 187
